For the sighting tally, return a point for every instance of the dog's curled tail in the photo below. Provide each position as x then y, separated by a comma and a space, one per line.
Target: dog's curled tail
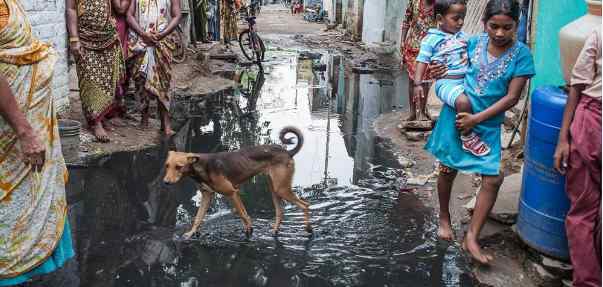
284, 140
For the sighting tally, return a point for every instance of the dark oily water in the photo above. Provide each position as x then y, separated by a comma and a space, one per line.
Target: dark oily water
366, 232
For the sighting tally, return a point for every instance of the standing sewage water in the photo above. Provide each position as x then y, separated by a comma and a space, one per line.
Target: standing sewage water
366, 232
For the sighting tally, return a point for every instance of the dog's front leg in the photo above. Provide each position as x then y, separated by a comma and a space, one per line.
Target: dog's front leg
235, 199
205, 201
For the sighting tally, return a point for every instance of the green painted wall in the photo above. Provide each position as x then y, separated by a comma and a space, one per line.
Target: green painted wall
551, 16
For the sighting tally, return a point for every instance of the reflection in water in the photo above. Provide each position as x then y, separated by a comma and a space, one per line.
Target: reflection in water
367, 233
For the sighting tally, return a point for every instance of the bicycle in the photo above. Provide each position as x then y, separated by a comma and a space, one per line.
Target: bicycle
286, 3
250, 42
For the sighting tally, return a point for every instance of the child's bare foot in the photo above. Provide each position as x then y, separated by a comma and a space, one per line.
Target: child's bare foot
470, 245
99, 133
445, 230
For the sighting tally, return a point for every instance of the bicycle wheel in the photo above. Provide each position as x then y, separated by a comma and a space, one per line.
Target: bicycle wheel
245, 44
260, 50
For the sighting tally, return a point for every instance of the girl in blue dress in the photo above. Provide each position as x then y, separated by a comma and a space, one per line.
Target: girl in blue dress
499, 67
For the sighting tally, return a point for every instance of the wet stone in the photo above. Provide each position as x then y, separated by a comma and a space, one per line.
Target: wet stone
226, 56
419, 125
363, 70
416, 136
506, 208
503, 272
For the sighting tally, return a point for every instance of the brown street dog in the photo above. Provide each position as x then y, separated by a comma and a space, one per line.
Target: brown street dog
224, 172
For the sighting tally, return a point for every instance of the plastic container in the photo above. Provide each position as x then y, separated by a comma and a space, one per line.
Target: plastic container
543, 203
573, 35
69, 131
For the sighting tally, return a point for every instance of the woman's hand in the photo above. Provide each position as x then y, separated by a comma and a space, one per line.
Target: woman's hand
561, 156
148, 39
466, 121
76, 50
157, 37
437, 70
33, 151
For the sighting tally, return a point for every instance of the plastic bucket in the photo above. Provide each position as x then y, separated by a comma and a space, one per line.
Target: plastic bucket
69, 131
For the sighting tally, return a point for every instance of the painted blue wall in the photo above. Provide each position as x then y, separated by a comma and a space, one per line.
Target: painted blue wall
550, 18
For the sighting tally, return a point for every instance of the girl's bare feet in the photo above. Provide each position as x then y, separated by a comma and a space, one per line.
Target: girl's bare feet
445, 230
471, 246
100, 133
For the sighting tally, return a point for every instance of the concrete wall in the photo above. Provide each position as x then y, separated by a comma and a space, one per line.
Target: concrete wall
344, 13
382, 19
550, 17
48, 20
373, 28
354, 19
329, 6
393, 18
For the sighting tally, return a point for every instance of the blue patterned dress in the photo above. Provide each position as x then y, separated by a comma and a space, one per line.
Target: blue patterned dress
451, 50
485, 84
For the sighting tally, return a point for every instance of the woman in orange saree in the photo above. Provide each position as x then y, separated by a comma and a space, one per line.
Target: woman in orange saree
35, 236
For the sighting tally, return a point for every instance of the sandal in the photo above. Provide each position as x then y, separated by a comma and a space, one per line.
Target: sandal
474, 145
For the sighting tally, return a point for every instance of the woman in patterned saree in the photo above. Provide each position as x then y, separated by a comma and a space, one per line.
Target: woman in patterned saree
418, 19
94, 43
35, 236
151, 46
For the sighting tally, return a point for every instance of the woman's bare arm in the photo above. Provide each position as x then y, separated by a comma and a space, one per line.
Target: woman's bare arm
176, 17
132, 23
31, 147
71, 13
561, 156
9, 110
505, 103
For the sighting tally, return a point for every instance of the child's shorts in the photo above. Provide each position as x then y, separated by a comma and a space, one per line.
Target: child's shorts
448, 90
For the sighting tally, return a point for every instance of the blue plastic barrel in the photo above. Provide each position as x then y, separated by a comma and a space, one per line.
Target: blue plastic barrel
543, 204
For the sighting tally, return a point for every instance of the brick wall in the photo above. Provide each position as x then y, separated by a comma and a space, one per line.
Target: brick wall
48, 20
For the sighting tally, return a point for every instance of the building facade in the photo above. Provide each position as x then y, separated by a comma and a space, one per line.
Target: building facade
47, 18
382, 19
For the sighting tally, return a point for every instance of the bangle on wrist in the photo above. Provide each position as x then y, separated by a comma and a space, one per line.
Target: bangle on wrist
74, 39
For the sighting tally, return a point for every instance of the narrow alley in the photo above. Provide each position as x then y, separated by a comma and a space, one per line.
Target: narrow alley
331, 69
366, 232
